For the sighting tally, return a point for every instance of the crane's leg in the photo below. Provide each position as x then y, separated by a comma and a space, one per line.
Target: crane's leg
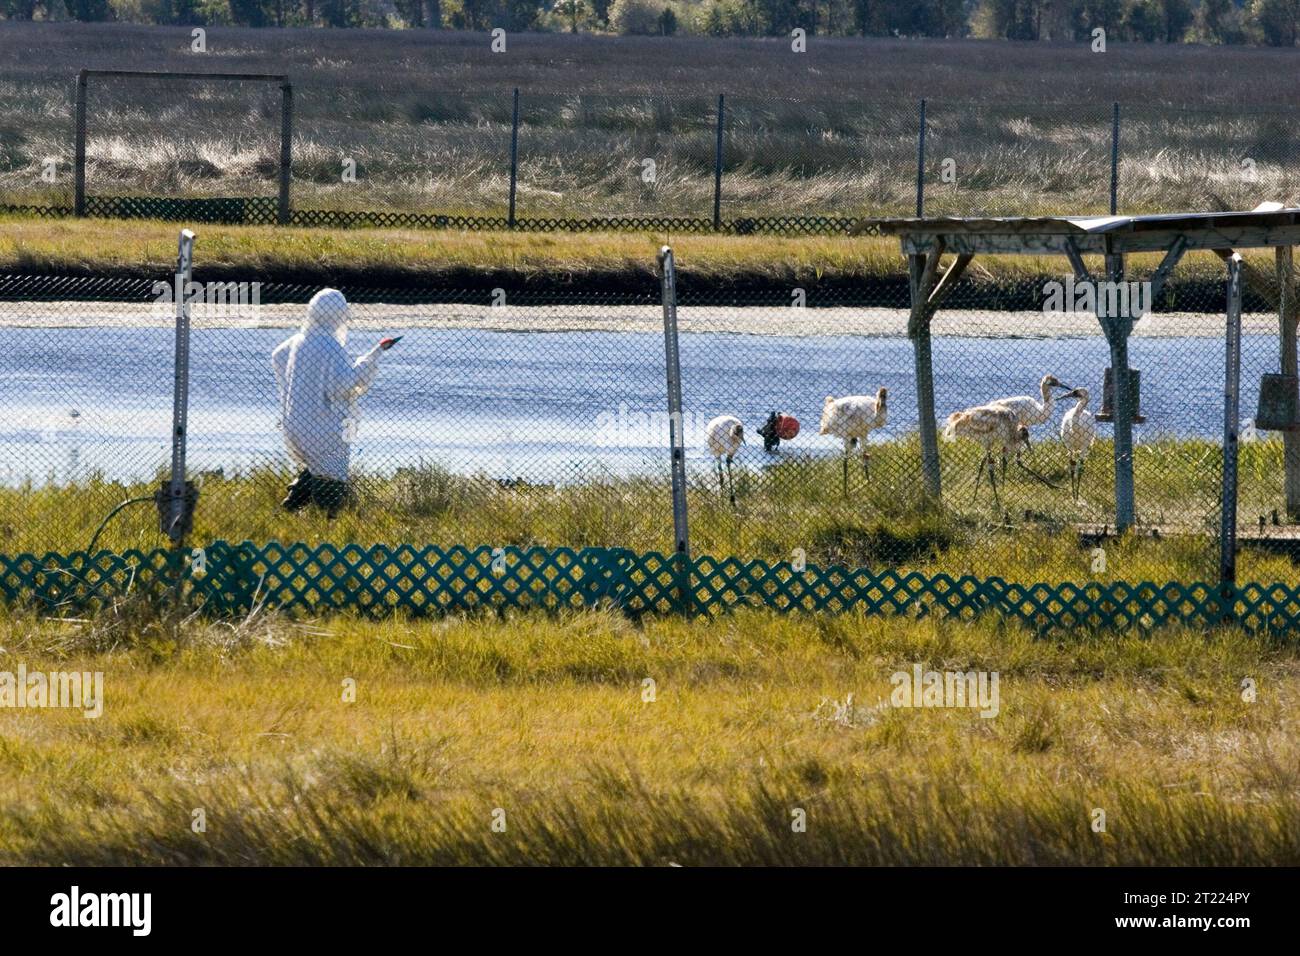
997, 502
846, 473
731, 482
722, 489
979, 473
866, 465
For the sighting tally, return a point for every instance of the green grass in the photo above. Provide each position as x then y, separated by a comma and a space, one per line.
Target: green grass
795, 505
754, 716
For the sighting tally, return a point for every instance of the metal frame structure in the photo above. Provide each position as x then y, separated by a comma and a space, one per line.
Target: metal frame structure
926, 241
286, 124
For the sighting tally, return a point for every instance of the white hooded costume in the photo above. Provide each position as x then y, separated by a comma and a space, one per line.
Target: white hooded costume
319, 385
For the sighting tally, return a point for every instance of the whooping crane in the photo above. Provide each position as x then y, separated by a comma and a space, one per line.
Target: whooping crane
852, 418
993, 426
1078, 431
724, 435
1030, 410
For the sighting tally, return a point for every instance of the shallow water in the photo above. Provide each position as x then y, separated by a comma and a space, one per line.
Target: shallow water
552, 406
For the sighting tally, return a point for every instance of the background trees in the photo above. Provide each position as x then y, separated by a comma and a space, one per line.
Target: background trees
1271, 22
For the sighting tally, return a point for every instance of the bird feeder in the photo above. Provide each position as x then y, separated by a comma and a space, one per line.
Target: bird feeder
1107, 413
1279, 403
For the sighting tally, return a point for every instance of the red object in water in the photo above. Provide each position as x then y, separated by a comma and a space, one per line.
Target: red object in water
387, 344
787, 426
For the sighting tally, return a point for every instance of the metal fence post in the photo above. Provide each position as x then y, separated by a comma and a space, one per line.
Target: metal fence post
920, 164
177, 515
1284, 260
286, 151
1114, 160
1231, 411
677, 441
717, 165
514, 156
1117, 329
79, 162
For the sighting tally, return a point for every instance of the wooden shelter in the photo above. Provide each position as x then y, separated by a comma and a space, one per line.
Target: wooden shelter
925, 242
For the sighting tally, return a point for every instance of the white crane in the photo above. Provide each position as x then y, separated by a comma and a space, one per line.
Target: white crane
1029, 410
724, 435
852, 418
992, 426
1078, 431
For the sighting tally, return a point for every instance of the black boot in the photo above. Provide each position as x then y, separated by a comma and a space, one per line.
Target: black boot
299, 495
329, 493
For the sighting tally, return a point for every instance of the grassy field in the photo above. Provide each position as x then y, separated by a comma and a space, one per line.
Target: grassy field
462, 259
796, 506
31, 246
461, 723
425, 117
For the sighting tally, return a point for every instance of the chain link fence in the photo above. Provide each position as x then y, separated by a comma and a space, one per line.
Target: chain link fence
36, 144
856, 495
519, 420
378, 154
1002, 160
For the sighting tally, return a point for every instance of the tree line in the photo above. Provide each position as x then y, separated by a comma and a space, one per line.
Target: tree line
1271, 22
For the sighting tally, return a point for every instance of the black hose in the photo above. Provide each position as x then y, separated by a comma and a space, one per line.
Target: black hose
95, 537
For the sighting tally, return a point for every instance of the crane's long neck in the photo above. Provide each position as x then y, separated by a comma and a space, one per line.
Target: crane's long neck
1080, 404
1047, 398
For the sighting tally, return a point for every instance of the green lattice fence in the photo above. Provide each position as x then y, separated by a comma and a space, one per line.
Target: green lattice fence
376, 580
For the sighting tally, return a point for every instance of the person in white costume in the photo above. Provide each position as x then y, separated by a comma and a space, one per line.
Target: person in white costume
319, 385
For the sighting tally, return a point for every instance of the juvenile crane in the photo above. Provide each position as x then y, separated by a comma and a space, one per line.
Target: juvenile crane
1078, 431
724, 435
1029, 410
851, 419
992, 426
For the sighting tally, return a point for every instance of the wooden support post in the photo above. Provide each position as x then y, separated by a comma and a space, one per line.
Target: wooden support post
1288, 312
1118, 328
922, 272
924, 360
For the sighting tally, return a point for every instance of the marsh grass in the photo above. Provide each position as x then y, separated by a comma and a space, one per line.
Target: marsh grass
755, 715
794, 506
426, 118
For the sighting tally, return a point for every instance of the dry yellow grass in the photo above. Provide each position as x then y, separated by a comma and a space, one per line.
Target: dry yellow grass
54, 245
547, 719
148, 247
